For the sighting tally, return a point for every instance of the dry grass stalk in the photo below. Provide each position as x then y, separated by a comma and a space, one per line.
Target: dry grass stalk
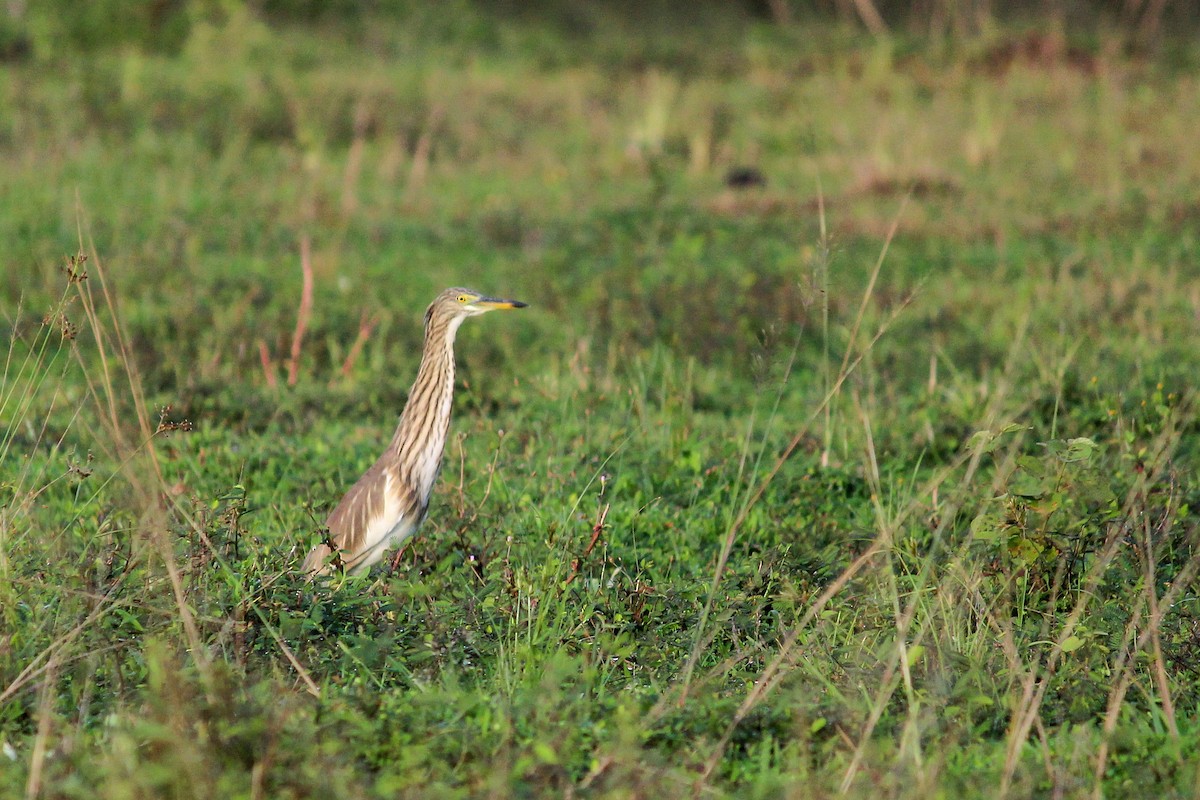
366, 326
45, 716
304, 311
597, 530
268, 365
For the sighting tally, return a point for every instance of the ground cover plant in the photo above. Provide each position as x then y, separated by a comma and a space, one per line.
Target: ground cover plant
871, 471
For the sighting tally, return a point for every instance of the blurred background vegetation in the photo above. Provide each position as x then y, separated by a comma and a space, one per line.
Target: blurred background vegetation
41, 28
540, 133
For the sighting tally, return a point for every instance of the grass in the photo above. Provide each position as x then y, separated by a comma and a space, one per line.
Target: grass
881, 477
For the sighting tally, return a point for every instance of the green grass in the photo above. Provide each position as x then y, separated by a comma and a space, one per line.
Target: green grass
759, 498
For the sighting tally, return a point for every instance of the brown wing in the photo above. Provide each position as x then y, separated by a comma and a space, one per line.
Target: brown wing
351, 521
367, 516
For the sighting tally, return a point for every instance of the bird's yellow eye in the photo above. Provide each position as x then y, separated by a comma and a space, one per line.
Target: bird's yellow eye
462, 298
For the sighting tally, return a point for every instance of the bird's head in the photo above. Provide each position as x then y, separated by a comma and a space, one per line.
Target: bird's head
458, 304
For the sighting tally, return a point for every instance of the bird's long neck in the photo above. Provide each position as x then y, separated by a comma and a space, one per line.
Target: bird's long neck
421, 435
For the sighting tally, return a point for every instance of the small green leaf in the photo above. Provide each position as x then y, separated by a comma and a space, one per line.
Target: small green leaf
1080, 449
914, 654
1024, 550
987, 440
1071, 644
987, 527
1027, 484
545, 753
980, 440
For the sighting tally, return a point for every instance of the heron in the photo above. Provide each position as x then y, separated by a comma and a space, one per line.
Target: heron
389, 502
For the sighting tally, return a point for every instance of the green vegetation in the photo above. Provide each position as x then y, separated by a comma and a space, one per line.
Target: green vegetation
877, 479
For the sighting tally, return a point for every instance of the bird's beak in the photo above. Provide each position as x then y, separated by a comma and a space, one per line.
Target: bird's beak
492, 303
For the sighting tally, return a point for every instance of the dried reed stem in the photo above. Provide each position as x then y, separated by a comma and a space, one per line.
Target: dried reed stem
366, 326
268, 367
305, 310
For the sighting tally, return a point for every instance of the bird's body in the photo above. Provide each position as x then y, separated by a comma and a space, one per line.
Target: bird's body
389, 502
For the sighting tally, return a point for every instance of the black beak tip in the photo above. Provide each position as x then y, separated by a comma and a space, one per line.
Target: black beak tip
519, 304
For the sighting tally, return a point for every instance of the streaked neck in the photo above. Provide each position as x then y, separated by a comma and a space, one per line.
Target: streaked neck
421, 435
